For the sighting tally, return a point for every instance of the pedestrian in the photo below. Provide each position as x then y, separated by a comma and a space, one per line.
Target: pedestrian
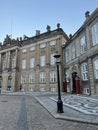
20, 87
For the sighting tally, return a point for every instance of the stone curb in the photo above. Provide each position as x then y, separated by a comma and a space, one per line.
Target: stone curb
60, 116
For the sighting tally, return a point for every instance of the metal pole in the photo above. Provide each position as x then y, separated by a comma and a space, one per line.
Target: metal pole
59, 102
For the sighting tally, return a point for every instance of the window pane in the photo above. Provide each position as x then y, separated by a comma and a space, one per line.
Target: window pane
32, 62
24, 50
43, 45
22, 79
83, 44
52, 59
52, 43
53, 76
42, 61
31, 78
42, 77
84, 71
32, 48
94, 32
24, 64
73, 52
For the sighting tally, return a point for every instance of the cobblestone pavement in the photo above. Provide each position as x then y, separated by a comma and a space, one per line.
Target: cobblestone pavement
26, 109
9, 112
39, 119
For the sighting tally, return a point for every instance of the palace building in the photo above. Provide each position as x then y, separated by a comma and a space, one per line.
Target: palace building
80, 57
28, 63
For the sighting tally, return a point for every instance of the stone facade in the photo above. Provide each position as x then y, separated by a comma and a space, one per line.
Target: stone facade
29, 63
80, 55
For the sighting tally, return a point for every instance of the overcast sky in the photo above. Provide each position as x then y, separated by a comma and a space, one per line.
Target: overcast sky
19, 17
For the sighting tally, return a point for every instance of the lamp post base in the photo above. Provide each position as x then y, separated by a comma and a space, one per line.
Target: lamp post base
60, 106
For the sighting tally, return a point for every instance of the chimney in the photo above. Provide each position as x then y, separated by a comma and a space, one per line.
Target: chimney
48, 28
70, 36
87, 14
58, 25
37, 32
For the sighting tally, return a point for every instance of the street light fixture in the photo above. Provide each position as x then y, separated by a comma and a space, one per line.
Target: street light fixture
0, 83
59, 102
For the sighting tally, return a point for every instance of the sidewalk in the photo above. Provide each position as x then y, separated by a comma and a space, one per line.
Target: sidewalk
69, 112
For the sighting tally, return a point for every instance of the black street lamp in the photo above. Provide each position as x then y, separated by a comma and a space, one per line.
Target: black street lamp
9, 82
59, 102
0, 83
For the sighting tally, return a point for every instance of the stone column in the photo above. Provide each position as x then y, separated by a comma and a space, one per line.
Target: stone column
91, 76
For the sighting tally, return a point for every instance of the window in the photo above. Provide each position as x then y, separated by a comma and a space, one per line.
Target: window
96, 69
84, 71
52, 43
42, 77
24, 64
83, 45
42, 61
53, 76
32, 48
32, 62
94, 32
4, 64
24, 50
42, 45
52, 59
31, 78
73, 49
67, 76
67, 55
23, 80
86, 90
13, 61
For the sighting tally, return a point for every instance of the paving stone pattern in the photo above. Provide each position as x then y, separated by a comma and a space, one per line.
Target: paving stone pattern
26, 109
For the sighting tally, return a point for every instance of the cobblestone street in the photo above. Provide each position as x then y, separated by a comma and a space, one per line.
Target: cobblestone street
23, 112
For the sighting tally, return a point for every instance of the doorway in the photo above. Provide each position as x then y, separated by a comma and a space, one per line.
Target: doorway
74, 74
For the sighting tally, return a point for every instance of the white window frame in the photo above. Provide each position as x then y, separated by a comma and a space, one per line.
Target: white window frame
67, 75
32, 78
84, 71
53, 76
94, 33
24, 50
83, 45
42, 60
96, 68
23, 79
53, 43
86, 91
52, 59
67, 55
43, 45
13, 61
4, 65
24, 64
42, 77
32, 48
32, 62
73, 51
